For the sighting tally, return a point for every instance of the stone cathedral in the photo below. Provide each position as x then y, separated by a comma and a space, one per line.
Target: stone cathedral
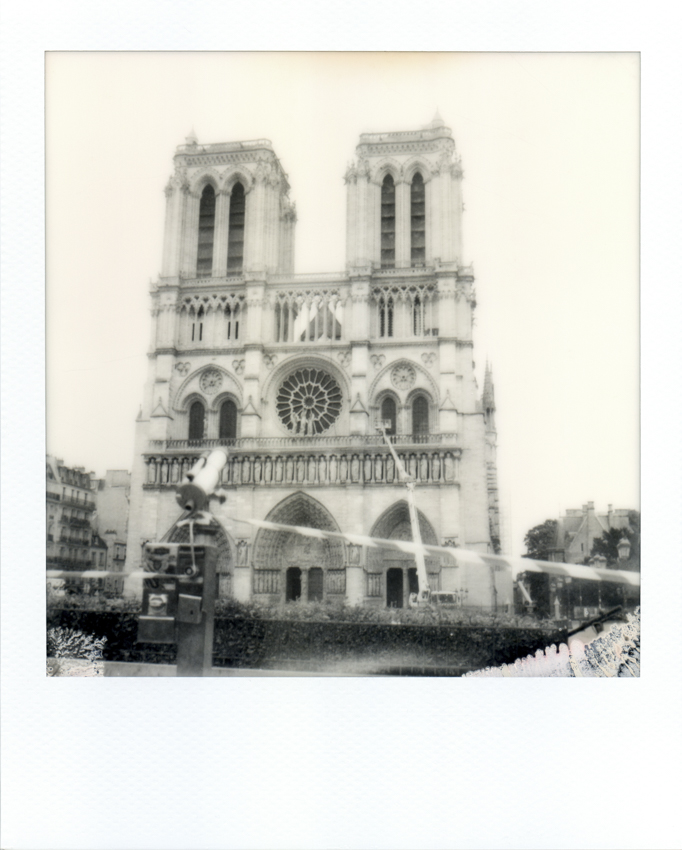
293, 373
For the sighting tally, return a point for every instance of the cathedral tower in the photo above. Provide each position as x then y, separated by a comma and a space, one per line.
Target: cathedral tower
293, 373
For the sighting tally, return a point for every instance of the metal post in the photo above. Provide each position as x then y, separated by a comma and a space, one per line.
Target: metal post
195, 640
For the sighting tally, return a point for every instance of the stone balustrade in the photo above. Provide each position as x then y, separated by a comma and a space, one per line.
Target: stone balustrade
310, 468
318, 441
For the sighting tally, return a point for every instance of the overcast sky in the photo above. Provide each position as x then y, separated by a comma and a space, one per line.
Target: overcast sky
549, 147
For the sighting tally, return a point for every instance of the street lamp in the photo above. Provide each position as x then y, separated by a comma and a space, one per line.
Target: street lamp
623, 555
623, 549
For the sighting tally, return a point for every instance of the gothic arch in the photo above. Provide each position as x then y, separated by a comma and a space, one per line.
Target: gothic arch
414, 165
225, 395
183, 394
237, 175
377, 405
204, 177
307, 361
394, 524
392, 520
420, 391
420, 370
189, 400
216, 302
274, 549
387, 166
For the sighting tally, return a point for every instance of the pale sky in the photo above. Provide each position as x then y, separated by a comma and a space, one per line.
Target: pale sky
550, 151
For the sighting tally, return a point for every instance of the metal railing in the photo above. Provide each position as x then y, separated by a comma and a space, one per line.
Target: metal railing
74, 503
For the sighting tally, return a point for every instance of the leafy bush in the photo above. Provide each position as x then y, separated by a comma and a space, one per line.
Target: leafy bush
79, 601
342, 612
72, 643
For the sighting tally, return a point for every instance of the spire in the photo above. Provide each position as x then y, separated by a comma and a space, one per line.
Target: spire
488, 389
192, 138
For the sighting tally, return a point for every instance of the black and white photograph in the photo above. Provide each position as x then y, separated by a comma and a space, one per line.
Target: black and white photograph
342, 352
383, 417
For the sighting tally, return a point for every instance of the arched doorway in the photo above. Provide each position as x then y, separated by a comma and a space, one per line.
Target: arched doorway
394, 587
398, 571
293, 584
292, 566
315, 584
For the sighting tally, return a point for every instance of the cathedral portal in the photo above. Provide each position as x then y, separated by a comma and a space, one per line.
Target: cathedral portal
392, 575
290, 567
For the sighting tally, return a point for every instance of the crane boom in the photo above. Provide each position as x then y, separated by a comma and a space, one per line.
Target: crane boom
424, 592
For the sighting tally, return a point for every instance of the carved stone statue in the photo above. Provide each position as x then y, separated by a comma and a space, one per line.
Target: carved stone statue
355, 469
242, 553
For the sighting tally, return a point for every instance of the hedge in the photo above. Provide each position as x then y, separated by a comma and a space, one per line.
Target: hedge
251, 641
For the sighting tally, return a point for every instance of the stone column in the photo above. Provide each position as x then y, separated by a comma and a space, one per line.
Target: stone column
272, 224
222, 219
188, 261
363, 221
351, 217
173, 229
445, 216
402, 225
253, 231
374, 229
241, 586
435, 215
359, 356
355, 574
286, 249
428, 194
360, 312
457, 209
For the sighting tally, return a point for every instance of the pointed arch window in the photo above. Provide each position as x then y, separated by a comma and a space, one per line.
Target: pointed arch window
418, 316
197, 325
388, 414
388, 223
232, 316
196, 421
420, 418
418, 221
235, 237
386, 315
206, 232
228, 420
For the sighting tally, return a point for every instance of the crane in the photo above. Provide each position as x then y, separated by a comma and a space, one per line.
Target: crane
423, 595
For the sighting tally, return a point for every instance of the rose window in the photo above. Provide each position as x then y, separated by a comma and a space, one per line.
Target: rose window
309, 402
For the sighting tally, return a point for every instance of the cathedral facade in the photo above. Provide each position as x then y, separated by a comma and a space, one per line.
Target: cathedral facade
294, 373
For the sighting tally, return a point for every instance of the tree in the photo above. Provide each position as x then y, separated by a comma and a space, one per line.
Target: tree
540, 539
607, 544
